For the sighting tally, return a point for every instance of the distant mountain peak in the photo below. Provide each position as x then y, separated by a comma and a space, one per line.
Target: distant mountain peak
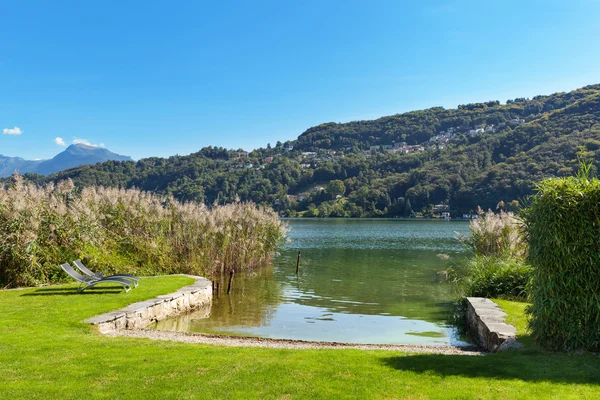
73, 156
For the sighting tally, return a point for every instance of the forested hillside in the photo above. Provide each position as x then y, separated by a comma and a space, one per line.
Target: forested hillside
482, 154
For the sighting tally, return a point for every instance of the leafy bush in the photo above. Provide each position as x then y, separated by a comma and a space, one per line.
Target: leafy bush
126, 230
563, 228
492, 276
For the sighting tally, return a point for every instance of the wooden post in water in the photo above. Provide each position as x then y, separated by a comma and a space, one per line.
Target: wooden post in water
230, 282
298, 263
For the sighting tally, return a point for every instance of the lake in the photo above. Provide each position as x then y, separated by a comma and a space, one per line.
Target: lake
360, 281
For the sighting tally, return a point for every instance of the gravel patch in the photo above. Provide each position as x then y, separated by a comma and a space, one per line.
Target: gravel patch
237, 341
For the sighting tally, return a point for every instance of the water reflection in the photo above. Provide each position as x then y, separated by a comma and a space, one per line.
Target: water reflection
360, 281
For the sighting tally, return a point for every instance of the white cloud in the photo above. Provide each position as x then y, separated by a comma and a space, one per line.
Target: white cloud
60, 141
12, 131
86, 142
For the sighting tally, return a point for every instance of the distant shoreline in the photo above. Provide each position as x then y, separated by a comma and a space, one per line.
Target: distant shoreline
373, 219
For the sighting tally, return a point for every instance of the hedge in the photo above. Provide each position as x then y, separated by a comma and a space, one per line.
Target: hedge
562, 224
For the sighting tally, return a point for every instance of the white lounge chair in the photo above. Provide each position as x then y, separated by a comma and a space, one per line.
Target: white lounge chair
98, 275
87, 282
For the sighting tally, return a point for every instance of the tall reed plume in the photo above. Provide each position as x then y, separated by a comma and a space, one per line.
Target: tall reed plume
496, 235
126, 230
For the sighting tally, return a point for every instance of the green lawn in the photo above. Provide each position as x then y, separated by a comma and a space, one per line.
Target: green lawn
47, 352
516, 316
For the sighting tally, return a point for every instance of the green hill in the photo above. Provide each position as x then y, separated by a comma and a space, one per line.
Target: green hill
474, 155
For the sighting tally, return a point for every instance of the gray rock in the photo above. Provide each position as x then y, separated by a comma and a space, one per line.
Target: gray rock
510, 344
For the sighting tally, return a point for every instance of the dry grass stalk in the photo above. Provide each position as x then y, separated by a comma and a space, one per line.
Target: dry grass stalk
126, 230
498, 234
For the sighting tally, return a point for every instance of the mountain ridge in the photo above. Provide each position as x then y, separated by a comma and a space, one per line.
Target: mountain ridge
480, 154
73, 156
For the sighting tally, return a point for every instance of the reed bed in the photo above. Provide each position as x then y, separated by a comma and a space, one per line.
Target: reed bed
496, 235
126, 230
497, 266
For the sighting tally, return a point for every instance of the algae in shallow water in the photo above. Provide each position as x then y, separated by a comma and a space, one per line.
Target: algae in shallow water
427, 334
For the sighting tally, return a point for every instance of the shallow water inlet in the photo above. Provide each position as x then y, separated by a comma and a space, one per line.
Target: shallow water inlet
359, 281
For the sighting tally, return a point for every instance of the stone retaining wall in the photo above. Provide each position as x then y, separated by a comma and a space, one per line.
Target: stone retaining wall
144, 313
486, 322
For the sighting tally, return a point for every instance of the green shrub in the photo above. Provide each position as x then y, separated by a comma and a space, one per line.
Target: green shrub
563, 228
126, 230
492, 276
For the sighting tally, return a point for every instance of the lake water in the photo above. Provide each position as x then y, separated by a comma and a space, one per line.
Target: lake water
360, 281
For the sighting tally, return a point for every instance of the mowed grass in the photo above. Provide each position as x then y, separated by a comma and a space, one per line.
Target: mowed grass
517, 317
46, 351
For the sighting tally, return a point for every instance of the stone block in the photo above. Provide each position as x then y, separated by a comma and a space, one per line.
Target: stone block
486, 322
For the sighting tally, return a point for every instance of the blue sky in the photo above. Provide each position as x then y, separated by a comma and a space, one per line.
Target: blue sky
158, 78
